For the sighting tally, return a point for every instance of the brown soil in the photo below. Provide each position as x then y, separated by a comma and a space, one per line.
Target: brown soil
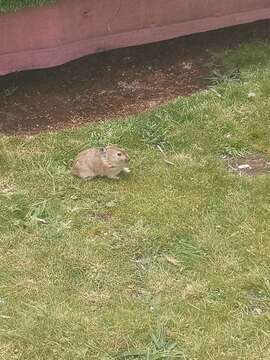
115, 83
252, 165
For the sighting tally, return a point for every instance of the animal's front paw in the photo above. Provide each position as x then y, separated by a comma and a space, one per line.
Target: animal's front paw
126, 170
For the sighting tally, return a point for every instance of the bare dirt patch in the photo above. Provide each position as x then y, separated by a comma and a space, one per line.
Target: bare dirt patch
115, 83
252, 165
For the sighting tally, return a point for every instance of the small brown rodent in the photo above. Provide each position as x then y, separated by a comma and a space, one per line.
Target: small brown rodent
108, 161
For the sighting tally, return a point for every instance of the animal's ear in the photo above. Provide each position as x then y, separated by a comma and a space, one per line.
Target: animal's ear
110, 165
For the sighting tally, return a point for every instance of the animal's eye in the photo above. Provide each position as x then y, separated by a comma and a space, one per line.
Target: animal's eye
119, 154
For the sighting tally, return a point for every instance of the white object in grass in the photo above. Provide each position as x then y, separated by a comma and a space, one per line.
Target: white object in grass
244, 166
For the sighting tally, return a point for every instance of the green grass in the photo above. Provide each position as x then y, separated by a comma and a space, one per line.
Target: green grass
13, 5
171, 262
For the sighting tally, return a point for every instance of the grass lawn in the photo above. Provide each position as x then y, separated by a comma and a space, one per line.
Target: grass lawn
11, 5
170, 262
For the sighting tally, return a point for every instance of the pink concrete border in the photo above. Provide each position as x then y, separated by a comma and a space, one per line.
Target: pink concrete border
53, 35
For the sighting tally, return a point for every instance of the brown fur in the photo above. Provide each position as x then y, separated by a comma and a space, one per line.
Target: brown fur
109, 161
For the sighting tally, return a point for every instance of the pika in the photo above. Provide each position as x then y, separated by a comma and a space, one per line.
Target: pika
109, 161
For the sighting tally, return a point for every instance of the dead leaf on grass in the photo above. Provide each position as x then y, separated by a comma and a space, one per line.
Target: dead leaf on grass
173, 261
